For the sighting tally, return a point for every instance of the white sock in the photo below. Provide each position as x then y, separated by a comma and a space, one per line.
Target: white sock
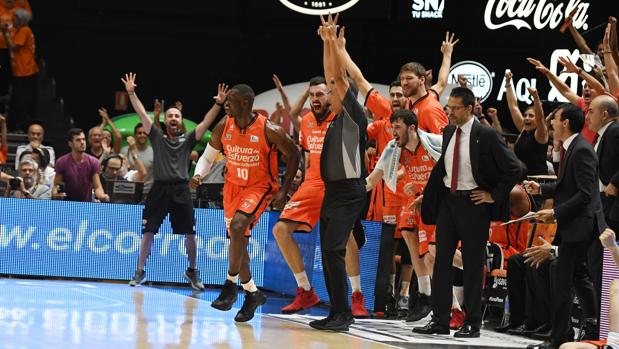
249, 286
234, 278
454, 302
355, 283
302, 280
425, 285
392, 278
404, 288
458, 291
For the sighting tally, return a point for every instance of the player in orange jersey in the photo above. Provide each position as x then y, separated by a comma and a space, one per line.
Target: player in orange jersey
414, 164
250, 143
302, 211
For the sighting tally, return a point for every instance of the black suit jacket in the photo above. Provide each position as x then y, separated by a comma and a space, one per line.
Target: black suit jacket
608, 156
495, 169
576, 194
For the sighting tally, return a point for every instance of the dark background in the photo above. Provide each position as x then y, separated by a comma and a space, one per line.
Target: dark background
180, 50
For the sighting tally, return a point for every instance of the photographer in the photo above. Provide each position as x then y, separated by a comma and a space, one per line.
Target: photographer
12, 183
28, 184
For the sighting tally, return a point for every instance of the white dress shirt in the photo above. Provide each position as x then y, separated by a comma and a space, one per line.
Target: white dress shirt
597, 144
465, 170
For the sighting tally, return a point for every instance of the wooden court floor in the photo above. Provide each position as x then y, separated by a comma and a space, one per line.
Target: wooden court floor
73, 314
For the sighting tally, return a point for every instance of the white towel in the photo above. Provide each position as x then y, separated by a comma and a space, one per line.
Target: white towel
389, 161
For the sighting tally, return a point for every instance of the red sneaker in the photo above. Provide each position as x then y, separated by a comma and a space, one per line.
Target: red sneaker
303, 300
358, 306
457, 319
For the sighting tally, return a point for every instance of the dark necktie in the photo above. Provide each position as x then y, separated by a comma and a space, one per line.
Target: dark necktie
455, 162
595, 139
562, 155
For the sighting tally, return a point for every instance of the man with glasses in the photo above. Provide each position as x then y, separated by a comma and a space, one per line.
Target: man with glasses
468, 187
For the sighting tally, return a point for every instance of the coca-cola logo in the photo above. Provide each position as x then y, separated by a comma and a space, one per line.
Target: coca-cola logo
309, 7
532, 14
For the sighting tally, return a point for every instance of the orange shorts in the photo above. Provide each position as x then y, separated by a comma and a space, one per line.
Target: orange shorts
412, 222
303, 207
599, 343
250, 201
390, 216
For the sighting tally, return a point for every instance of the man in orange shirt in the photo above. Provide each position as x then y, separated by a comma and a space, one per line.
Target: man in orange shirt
21, 46
415, 165
250, 143
302, 212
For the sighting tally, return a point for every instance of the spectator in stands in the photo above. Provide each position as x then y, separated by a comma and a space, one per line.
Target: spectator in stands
7, 8
112, 139
532, 143
21, 45
95, 138
4, 145
114, 167
31, 177
36, 133
41, 157
144, 153
78, 171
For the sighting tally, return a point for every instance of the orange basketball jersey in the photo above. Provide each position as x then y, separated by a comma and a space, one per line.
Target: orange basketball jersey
311, 137
250, 159
429, 111
417, 168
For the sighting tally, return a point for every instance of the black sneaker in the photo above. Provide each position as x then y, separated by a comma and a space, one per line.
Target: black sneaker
337, 322
138, 278
193, 276
421, 309
227, 297
252, 301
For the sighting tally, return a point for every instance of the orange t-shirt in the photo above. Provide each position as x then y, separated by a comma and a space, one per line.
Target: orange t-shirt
23, 60
250, 159
430, 113
311, 138
417, 168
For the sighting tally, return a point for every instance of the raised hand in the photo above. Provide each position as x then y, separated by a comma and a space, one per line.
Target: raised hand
222, 93
341, 39
157, 107
129, 82
538, 65
569, 66
2, 119
462, 80
278, 83
508, 77
533, 92
607, 238
131, 142
447, 46
492, 113
178, 105
104, 115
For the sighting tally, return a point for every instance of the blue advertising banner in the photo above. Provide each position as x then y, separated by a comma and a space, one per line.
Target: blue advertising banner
101, 241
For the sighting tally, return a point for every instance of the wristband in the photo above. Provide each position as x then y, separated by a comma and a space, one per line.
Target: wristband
219, 104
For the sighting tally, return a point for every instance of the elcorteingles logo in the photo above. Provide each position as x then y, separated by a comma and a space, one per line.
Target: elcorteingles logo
479, 77
538, 14
309, 7
428, 8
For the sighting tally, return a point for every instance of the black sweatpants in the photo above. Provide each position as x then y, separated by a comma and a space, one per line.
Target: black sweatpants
341, 207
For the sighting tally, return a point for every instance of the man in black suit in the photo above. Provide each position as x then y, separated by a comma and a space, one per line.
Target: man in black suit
577, 210
468, 187
602, 117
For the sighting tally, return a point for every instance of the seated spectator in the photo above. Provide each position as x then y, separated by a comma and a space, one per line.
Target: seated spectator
4, 145
21, 44
41, 157
115, 169
36, 134
78, 171
143, 152
32, 187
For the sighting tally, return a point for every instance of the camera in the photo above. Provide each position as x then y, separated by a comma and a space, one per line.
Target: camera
14, 183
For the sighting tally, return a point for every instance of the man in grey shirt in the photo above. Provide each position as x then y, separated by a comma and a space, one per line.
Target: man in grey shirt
144, 153
170, 190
